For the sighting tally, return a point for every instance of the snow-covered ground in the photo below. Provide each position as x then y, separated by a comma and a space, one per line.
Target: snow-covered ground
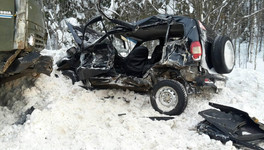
70, 117
244, 63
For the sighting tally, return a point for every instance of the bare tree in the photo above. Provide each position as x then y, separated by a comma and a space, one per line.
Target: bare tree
242, 20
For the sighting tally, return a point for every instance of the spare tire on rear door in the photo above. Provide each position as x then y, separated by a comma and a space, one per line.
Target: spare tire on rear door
223, 55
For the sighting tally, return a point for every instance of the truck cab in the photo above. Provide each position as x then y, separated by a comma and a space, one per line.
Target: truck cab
22, 36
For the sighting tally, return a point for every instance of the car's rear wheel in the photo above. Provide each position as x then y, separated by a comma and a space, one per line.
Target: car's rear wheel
169, 97
223, 55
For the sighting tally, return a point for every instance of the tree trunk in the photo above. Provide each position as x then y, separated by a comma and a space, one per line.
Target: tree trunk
256, 54
239, 59
235, 45
252, 31
260, 44
252, 37
249, 47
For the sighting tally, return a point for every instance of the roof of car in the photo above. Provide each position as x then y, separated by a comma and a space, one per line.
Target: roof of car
161, 18
155, 27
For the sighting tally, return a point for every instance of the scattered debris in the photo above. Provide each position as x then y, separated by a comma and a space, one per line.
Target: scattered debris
123, 114
161, 118
154, 118
229, 123
23, 117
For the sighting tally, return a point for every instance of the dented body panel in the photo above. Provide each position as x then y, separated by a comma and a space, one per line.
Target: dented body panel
177, 65
97, 62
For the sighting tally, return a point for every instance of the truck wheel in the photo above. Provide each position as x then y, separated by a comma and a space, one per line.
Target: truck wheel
223, 55
169, 97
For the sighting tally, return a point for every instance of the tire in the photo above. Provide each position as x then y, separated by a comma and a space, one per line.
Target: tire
175, 91
223, 55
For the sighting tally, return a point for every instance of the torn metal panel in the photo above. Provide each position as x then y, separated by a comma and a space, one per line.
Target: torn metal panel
123, 82
177, 55
176, 60
229, 123
98, 56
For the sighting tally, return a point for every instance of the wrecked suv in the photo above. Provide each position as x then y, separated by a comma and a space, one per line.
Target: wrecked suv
22, 36
188, 56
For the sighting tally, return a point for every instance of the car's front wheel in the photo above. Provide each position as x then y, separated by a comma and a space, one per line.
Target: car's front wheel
169, 97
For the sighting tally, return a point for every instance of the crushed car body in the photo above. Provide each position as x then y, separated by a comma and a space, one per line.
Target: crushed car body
228, 123
183, 60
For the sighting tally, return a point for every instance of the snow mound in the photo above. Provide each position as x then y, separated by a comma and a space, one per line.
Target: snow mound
67, 116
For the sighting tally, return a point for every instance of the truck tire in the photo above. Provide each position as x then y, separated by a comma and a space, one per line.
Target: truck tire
223, 55
169, 97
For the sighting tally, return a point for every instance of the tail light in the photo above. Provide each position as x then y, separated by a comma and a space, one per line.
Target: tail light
196, 51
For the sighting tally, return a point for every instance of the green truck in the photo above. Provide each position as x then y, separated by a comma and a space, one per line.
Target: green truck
22, 36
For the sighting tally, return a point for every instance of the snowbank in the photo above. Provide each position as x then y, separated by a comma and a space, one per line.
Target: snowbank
69, 117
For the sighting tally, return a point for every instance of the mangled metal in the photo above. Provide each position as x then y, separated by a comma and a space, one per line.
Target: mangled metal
177, 58
98, 58
228, 123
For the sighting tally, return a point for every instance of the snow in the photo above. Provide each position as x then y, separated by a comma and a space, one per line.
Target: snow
243, 63
57, 9
31, 40
72, 21
70, 117
112, 9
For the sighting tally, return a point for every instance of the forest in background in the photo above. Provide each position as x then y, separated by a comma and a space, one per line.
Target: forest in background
242, 20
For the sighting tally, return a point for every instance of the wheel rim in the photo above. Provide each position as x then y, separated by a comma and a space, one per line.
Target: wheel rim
166, 99
229, 55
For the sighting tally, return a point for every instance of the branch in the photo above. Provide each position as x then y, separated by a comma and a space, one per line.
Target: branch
210, 13
247, 16
219, 14
110, 10
153, 7
237, 8
171, 7
253, 13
